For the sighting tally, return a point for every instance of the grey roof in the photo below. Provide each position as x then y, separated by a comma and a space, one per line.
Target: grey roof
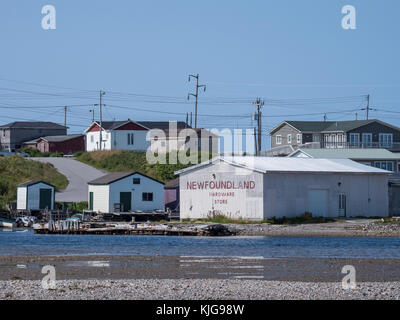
292, 165
329, 126
162, 125
32, 182
60, 138
115, 176
33, 124
357, 154
321, 126
109, 125
34, 141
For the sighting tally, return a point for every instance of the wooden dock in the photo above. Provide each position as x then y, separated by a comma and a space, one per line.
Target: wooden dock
207, 231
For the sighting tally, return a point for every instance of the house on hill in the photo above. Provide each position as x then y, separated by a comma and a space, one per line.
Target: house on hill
66, 144
133, 135
290, 135
13, 135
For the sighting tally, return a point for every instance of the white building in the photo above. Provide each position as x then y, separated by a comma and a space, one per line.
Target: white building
132, 190
35, 195
258, 188
133, 135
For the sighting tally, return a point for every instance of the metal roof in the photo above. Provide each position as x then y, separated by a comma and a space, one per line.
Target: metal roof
359, 154
32, 124
115, 176
292, 165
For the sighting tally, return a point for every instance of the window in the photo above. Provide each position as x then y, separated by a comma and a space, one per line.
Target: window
340, 140
91, 138
385, 140
136, 180
289, 138
385, 165
299, 139
367, 140
354, 139
130, 139
147, 196
278, 139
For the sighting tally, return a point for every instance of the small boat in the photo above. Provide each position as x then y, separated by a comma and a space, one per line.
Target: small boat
7, 223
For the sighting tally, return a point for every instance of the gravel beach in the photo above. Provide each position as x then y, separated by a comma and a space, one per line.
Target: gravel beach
341, 228
172, 289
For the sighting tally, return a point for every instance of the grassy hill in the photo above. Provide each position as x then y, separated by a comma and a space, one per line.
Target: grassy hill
122, 160
15, 170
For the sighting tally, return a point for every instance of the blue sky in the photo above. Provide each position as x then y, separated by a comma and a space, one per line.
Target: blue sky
141, 52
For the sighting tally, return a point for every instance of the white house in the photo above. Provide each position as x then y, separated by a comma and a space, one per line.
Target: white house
258, 188
133, 135
130, 191
35, 195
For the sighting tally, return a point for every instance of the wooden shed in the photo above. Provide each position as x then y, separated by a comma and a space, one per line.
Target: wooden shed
125, 192
35, 195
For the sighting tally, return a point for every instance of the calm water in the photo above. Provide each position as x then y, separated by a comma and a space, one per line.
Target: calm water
313, 247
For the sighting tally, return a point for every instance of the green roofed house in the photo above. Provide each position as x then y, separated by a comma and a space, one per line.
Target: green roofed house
290, 135
379, 158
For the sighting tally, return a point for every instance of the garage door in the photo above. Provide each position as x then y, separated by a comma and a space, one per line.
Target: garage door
318, 203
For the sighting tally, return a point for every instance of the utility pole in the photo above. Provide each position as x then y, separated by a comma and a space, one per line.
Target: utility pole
191, 119
259, 104
367, 109
102, 93
65, 116
196, 95
255, 142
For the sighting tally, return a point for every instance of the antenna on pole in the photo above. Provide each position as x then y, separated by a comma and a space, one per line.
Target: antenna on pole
196, 95
102, 93
367, 109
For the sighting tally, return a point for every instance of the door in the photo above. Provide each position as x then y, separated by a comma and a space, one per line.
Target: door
318, 202
342, 205
45, 199
90, 200
125, 200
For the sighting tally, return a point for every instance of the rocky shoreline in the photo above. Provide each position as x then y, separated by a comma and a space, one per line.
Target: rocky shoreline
342, 228
201, 289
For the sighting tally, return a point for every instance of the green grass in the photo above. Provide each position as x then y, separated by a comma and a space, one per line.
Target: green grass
122, 160
306, 218
15, 170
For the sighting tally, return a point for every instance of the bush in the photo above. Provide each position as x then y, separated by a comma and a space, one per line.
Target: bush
122, 160
15, 170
